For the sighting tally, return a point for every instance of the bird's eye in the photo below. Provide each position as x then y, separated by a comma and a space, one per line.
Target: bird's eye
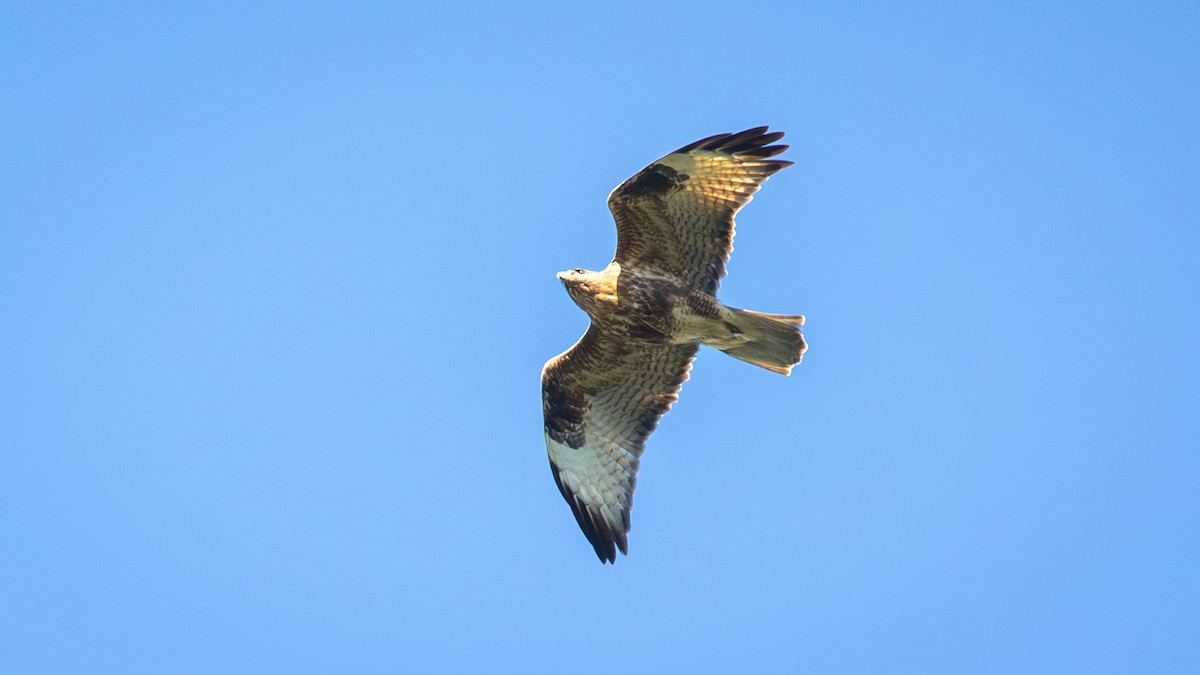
577, 270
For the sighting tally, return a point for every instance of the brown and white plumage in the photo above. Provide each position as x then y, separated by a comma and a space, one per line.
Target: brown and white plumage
651, 309
688, 231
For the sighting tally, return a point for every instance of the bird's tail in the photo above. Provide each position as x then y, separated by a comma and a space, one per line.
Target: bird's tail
772, 341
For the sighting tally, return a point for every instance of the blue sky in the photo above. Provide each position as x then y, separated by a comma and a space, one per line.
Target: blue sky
277, 285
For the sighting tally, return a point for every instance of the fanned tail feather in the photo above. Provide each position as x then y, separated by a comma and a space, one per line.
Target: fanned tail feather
773, 341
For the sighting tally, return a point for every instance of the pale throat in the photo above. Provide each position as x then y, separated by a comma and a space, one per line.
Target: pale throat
602, 285
596, 289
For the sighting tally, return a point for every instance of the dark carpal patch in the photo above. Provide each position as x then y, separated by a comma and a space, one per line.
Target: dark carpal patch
563, 413
654, 179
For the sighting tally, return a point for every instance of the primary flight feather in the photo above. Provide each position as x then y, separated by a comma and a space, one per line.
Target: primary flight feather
651, 309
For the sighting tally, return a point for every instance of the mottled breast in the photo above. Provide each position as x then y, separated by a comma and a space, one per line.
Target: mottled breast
646, 307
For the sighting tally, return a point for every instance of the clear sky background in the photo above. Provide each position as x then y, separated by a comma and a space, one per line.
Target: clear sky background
277, 283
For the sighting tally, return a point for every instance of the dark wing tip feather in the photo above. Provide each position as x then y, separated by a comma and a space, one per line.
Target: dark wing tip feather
599, 533
754, 142
763, 152
749, 142
775, 165
703, 143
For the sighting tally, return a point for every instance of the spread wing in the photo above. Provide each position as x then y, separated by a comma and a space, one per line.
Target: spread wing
676, 215
601, 399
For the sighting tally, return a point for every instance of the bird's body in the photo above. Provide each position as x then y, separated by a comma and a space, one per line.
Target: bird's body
651, 309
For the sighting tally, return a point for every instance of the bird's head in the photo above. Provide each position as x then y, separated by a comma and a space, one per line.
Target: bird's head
575, 277
578, 282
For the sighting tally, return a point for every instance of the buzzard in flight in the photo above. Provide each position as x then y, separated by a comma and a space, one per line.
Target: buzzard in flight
651, 309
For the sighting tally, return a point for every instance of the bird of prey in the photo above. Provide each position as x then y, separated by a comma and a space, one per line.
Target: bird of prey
651, 309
